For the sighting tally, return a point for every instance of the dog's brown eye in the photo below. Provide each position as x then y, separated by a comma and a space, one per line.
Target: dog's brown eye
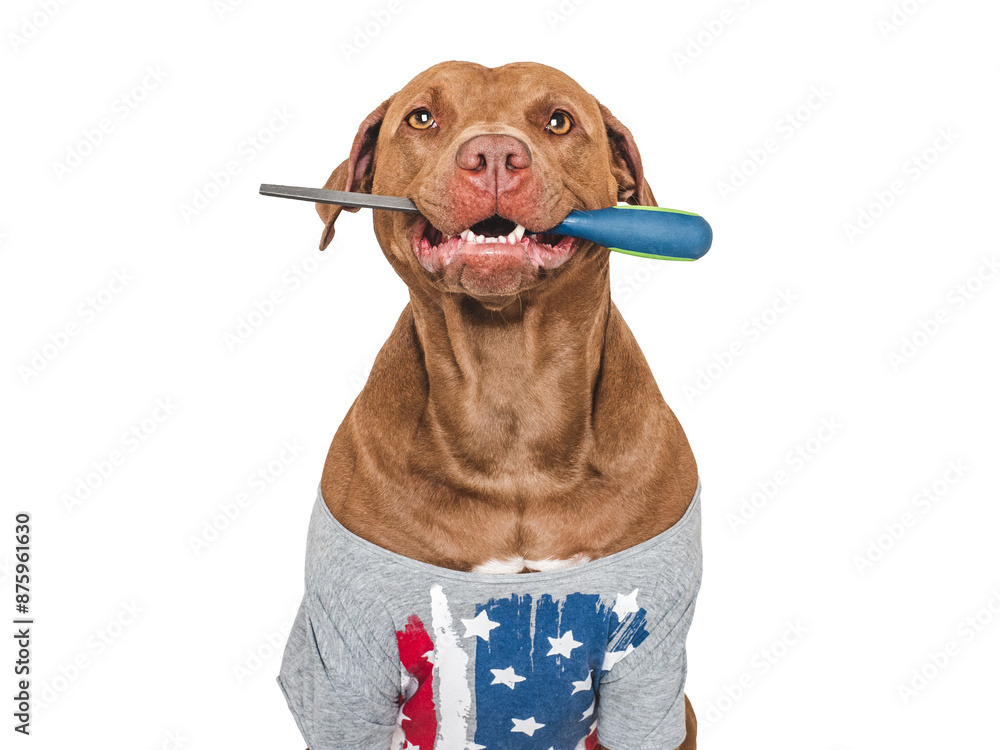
421, 119
560, 123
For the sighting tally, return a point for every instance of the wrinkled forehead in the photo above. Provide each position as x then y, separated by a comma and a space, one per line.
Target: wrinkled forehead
468, 92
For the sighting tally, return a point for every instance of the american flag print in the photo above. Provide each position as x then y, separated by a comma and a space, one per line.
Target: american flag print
525, 669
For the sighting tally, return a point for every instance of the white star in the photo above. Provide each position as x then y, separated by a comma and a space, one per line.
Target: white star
506, 677
625, 605
481, 625
583, 684
589, 711
528, 726
429, 656
613, 657
563, 645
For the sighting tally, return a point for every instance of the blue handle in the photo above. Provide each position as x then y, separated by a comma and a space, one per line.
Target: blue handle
647, 231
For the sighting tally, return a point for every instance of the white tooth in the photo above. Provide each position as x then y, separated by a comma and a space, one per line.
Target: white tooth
518, 233
467, 235
502, 239
490, 239
480, 239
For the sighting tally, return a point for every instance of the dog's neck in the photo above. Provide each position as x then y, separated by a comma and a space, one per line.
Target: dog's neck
511, 392
476, 426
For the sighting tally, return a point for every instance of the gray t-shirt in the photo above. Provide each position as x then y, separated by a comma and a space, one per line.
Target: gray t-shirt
388, 653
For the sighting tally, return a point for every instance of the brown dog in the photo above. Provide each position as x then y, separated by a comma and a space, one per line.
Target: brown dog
510, 422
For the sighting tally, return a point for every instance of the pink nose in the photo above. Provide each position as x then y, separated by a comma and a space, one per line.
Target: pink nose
494, 163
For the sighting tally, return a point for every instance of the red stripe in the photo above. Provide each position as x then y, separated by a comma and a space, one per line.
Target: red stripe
420, 725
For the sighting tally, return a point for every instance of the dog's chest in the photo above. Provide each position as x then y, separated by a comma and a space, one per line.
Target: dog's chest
515, 564
524, 542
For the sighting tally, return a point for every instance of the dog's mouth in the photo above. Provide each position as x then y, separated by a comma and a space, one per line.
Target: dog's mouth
492, 236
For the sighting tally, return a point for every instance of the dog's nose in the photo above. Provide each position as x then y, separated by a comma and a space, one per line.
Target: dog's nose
495, 163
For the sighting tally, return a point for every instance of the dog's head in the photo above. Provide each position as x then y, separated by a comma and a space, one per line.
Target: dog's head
492, 157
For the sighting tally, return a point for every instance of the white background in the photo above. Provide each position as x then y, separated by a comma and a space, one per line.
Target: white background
197, 662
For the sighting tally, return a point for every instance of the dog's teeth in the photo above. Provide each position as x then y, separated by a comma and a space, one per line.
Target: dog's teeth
517, 234
468, 236
490, 239
480, 239
502, 239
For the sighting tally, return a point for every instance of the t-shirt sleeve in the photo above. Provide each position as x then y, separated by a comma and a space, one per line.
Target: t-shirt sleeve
339, 678
640, 704
644, 709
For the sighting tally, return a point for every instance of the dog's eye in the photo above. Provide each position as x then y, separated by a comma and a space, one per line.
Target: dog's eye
421, 119
560, 123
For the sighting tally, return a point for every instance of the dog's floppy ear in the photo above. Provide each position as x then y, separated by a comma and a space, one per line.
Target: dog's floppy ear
626, 164
355, 173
